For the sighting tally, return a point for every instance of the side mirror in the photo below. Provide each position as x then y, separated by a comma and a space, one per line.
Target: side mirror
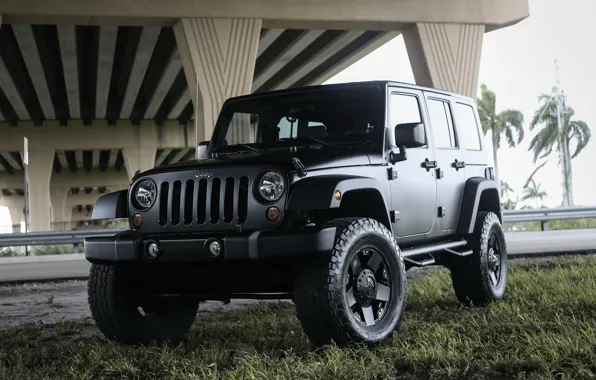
410, 135
202, 150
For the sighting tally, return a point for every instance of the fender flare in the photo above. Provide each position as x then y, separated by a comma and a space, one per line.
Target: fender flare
474, 188
111, 206
317, 193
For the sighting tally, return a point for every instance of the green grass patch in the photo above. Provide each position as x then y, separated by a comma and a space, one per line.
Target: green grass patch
546, 328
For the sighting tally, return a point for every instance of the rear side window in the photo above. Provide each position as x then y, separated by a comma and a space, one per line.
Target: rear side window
440, 121
465, 119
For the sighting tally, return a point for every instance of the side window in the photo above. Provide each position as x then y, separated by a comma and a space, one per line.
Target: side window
467, 126
441, 123
404, 109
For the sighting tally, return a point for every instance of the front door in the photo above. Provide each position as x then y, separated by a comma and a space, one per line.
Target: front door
413, 189
450, 172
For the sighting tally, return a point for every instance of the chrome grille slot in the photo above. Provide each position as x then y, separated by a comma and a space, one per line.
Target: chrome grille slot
204, 201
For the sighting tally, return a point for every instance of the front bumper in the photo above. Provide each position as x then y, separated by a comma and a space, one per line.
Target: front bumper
193, 248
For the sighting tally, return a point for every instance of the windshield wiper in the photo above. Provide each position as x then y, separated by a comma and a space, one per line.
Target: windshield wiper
235, 146
316, 140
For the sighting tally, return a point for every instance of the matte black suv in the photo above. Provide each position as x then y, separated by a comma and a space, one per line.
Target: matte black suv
324, 195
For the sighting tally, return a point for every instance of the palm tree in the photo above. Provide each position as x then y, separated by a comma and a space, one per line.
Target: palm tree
533, 192
505, 189
551, 138
507, 122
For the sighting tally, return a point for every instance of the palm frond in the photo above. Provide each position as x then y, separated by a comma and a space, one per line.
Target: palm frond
582, 134
544, 141
531, 177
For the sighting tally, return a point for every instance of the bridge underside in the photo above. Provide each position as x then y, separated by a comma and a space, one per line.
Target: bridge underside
100, 95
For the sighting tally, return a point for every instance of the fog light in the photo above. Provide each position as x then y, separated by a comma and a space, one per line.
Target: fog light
137, 220
273, 214
215, 248
152, 250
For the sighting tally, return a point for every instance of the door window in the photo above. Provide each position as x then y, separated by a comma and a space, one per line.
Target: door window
404, 109
465, 118
441, 122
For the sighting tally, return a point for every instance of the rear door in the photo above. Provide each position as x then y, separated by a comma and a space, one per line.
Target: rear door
450, 172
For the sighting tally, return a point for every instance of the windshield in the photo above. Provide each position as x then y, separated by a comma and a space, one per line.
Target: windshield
321, 116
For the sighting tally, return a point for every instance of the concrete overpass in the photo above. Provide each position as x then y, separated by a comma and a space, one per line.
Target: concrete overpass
102, 89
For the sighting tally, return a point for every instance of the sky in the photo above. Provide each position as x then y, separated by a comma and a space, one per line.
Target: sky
518, 64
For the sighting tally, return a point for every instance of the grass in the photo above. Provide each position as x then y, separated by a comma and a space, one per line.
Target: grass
546, 328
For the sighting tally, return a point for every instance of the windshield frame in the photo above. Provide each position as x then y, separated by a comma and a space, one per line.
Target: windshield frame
224, 119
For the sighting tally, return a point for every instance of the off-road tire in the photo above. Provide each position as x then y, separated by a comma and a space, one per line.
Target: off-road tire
470, 275
319, 289
116, 313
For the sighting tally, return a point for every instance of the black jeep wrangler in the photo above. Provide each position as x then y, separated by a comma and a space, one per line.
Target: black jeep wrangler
323, 195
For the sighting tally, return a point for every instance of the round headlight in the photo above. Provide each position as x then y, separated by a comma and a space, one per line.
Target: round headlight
271, 186
145, 193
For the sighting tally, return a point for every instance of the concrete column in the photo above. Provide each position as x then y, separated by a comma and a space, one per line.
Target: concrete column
221, 55
41, 160
142, 156
445, 56
16, 217
16, 206
60, 219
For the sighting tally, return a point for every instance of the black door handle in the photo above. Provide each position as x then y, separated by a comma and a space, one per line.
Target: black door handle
458, 164
429, 164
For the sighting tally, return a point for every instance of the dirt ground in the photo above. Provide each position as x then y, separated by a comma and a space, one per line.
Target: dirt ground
51, 302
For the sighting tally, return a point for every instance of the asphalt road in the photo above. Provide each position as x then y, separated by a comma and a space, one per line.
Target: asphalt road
16, 269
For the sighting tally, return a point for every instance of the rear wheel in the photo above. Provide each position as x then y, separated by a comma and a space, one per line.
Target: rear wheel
124, 314
357, 292
481, 277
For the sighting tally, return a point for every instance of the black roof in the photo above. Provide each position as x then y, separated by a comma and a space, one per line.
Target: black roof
379, 83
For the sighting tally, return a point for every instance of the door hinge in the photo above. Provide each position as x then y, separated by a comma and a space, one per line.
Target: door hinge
392, 173
442, 211
394, 215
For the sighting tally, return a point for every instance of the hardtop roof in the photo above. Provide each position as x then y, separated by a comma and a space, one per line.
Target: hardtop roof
380, 83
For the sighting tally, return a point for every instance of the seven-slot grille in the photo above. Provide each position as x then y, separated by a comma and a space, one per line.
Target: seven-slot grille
204, 201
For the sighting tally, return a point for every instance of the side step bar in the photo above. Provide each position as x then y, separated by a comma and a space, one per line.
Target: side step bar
427, 250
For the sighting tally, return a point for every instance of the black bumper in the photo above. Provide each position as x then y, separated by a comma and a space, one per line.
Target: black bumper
130, 247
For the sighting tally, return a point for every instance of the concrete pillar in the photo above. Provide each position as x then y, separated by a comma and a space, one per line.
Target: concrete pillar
16, 206
221, 55
39, 174
60, 210
445, 56
142, 156
16, 217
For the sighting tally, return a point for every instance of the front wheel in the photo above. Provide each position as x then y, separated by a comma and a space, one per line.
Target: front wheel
126, 315
357, 292
481, 277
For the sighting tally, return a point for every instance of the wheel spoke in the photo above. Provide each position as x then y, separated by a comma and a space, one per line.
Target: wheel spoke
350, 297
369, 316
493, 278
355, 265
383, 293
374, 261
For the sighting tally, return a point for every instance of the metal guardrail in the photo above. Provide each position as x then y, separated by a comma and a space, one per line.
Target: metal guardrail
544, 215
77, 236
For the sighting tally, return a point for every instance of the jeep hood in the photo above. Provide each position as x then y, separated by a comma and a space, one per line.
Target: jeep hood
312, 159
